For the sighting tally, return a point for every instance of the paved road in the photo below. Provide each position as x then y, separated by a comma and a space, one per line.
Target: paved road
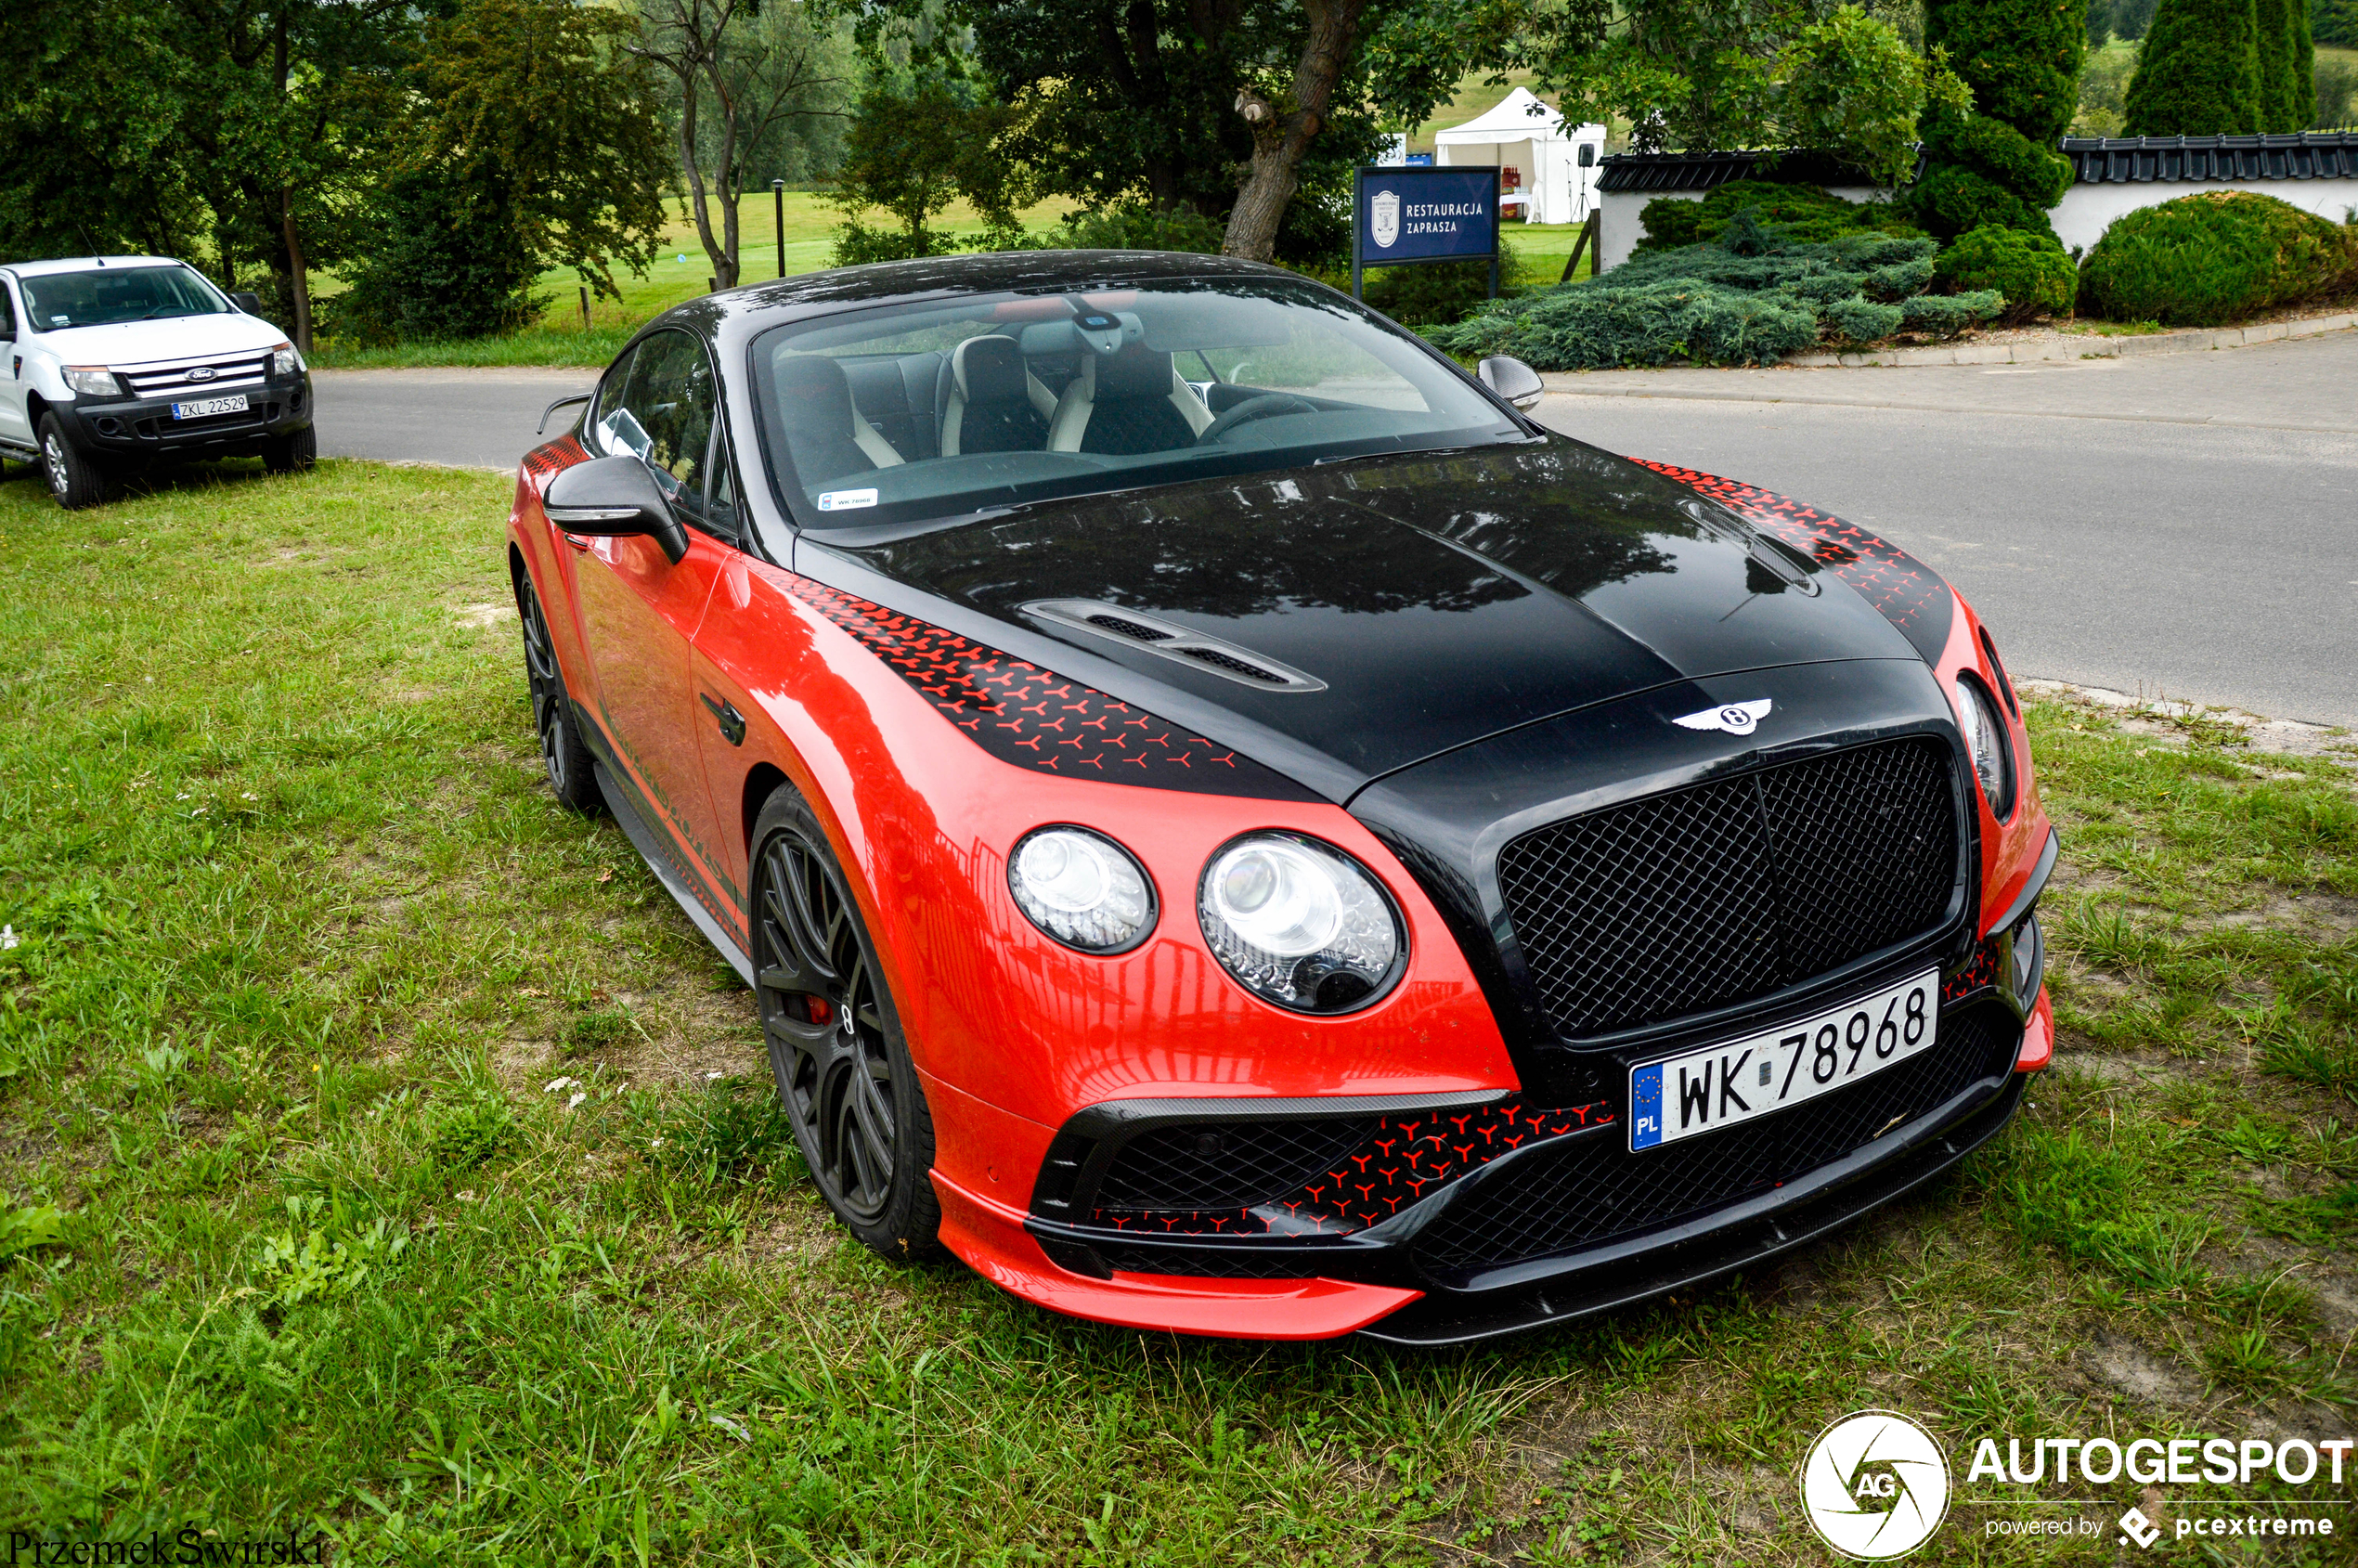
2185, 525
458, 418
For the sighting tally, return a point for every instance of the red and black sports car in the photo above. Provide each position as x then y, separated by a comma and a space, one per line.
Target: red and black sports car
1232, 828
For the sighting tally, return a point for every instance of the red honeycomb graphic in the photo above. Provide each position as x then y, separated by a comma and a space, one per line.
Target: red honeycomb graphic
1910, 594
1977, 973
1407, 1157
544, 462
1036, 719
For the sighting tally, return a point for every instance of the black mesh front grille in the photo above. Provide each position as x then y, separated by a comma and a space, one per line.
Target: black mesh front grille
1589, 1191
1711, 896
1225, 1164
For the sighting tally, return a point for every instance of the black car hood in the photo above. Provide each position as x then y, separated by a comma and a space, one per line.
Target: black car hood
1442, 597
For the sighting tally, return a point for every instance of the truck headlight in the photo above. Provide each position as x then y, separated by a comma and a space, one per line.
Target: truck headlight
93, 380
286, 361
1300, 924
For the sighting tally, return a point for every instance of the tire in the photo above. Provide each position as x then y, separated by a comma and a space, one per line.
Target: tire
842, 1064
298, 453
76, 479
568, 762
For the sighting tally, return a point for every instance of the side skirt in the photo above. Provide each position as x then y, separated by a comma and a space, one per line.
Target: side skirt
643, 839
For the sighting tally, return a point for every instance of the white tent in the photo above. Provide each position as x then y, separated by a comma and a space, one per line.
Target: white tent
1555, 165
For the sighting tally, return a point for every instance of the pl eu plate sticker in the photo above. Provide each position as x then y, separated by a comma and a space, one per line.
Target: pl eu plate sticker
844, 501
1645, 1107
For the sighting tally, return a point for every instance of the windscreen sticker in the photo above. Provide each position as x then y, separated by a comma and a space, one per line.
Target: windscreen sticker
844, 501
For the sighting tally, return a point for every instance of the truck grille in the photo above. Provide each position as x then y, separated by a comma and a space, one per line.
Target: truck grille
236, 372
1585, 1191
1727, 891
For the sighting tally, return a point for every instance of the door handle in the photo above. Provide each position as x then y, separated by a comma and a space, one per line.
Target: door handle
575, 540
732, 723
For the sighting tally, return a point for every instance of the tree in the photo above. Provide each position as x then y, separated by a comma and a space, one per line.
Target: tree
750, 76
2198, 73
2279, 105
1284, 126
914, 149
1996, 163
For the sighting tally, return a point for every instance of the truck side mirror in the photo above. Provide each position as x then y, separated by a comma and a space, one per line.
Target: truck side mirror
247, 301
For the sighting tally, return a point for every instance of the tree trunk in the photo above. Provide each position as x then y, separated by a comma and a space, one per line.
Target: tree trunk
1280, 139
726, 179
722, 271
298, 277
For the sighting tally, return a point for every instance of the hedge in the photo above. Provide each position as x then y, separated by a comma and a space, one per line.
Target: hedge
1805, 211
2220, 256
1755, 298
1997, 164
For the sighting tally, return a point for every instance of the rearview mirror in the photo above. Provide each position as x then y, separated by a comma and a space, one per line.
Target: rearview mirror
247, 301
1511, 379
610, 498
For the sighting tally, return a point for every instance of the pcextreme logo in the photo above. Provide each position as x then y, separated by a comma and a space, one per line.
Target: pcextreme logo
1875, 1486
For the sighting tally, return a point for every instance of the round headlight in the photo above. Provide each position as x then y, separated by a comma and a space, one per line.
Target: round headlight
1986, 735
1082, 888
1300, 924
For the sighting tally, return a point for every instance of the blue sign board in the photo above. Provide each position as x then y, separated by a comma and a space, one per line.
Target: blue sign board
1423, 214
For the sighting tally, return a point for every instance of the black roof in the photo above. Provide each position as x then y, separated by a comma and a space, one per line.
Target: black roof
2310, 155
1707, 171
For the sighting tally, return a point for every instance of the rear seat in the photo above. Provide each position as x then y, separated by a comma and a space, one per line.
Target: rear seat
897, 395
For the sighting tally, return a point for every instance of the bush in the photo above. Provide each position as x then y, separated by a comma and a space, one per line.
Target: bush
2220, 256
2039, 175
2336, 93
1136, 226
442, 260
1442, 293
2029, 270
1952, 199
1805, 211
1753, 299
2021, 57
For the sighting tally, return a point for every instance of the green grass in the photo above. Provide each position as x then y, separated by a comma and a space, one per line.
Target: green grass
383, 1153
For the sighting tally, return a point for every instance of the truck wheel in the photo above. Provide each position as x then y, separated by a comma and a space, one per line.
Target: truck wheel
76, 477
291, 454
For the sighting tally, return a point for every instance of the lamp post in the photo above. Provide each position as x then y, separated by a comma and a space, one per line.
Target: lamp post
778, 196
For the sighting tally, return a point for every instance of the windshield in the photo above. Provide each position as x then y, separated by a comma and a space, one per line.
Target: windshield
934, 410
106, 294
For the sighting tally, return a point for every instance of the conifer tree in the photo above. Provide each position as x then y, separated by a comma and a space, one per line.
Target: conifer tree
2198, 73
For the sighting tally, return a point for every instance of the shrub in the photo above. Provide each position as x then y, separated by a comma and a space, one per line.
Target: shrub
2029, 270
2198, 71
1753, 298
443, 259
2336, 93
2021, 57
1442, 291
1806, 212
1136, 226
2218, 256
2039, 175
1944, 315
1951, 199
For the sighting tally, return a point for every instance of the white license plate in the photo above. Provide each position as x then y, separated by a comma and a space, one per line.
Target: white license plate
204, 406
1701, 1092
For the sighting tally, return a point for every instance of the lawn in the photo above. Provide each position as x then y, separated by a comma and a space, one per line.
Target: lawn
384, 1155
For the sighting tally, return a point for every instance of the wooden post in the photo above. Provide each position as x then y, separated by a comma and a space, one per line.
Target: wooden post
584, 307
778, 196
1591, 240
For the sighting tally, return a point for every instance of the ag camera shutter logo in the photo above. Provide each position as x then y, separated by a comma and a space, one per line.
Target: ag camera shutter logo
1875, 1486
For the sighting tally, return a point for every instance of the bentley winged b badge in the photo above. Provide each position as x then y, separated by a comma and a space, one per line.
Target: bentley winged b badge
1736, 718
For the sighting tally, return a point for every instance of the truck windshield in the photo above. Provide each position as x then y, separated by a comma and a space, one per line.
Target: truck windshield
106, 294
929, 410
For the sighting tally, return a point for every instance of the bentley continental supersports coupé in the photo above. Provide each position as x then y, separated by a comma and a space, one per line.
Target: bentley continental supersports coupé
1232, 828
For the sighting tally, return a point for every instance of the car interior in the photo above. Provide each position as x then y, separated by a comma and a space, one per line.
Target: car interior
124, 293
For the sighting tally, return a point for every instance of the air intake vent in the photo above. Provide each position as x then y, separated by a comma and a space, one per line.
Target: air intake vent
1149, 634
1130, 630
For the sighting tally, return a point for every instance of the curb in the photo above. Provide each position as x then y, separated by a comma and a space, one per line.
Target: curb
2075, 345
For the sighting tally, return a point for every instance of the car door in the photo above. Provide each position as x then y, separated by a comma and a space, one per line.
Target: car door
16, 429
640, 610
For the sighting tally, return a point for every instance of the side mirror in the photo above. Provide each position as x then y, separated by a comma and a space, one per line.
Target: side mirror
614, 497
1512, 380
247, 301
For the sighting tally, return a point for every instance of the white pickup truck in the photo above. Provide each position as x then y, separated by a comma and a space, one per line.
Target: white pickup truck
116, 363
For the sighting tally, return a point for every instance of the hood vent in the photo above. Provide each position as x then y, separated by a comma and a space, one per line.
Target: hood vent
1149, 634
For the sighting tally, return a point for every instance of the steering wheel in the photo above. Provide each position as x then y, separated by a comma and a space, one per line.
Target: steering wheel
1268, 406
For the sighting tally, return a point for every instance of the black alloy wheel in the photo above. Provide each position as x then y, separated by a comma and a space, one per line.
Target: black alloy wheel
562, 751
836, 1047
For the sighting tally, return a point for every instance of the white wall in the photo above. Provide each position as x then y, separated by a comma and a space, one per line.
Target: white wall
2087, 211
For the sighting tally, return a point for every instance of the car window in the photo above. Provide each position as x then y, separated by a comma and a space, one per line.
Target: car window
912, 413
720, 503
664, 415
8, 314
102, 295
609, 400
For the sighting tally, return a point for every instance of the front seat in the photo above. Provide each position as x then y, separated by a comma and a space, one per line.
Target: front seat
1129, 402
987, 403
825, 436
